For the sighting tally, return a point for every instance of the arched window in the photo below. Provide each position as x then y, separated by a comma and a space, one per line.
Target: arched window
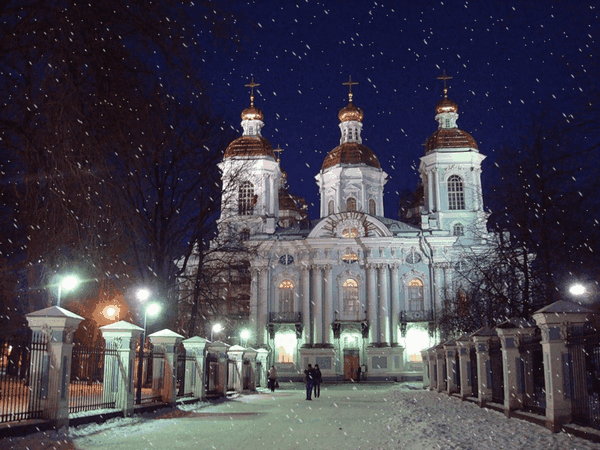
246, 197
330, 207
286, 296
458, 230
415, 295
456, 193
350, 299
372, 207
351, 204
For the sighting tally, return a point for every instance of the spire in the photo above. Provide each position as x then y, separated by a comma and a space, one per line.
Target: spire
350, 83
444, 78
446, 110
252, 117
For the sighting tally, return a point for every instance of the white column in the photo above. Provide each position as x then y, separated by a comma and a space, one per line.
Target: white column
430, 204
318, 303
306, 305
395, 303
384, 303
372, 303
254, 304
263, 311
328, 304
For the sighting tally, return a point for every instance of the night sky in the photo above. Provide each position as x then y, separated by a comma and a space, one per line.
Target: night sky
505, 58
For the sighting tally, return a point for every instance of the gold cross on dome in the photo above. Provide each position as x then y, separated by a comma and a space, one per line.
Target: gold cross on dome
350, 83
278, 150
252, 85
444, 78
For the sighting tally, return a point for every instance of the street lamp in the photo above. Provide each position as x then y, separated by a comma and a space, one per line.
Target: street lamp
66, 283
152, 309
215, 329
577, 289
244, 335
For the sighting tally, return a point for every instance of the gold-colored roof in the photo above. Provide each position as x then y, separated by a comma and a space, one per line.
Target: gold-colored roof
445, 138
252, 113
350, 112
249, 146
351, 153
446, 105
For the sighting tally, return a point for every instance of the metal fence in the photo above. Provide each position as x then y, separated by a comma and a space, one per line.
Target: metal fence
185, 377
87, 377
472, 369
18, 359
496, 372
532, 371
585, 379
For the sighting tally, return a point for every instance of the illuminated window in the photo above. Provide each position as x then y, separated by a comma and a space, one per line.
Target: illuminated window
350, 298
456, 194
286, 296
350, 233
330, 207
415, 295
372, 208
351, 204
350, 258
458, 230
246, 197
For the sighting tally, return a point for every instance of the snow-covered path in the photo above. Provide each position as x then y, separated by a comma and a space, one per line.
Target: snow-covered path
346, 416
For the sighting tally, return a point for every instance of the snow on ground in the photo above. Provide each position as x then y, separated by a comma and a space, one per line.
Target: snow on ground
359, 416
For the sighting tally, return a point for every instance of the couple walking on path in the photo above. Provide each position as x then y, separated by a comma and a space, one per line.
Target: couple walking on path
313, 381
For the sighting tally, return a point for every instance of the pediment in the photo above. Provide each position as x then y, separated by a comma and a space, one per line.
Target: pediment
349, 225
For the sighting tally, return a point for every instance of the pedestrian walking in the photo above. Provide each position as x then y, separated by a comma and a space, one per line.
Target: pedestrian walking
310, 376
358, 371
272, 379
317, 381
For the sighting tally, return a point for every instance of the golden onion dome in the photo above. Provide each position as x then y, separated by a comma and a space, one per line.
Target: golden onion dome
249, 146
450, 138
351, 153
351, 112
446, 105
252, 113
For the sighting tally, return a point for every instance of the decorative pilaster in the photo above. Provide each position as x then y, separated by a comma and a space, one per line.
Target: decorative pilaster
164, 375
254, 303
119, 363
372, 303
306, 320
328, 306
56, 326
262, 307
384, 308
318, 304
395, 304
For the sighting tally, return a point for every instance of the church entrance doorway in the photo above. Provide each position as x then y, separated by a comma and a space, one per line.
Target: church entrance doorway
351, 365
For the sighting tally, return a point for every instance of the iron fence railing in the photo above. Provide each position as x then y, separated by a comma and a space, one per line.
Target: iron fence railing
23, 376
585, 379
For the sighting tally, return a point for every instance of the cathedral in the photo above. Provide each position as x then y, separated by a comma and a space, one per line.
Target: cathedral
352, 291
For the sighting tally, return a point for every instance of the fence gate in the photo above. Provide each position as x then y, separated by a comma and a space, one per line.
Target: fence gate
87, 377
18, 359
585, 383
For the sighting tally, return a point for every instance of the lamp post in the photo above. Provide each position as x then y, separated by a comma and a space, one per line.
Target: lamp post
216, 328
66, 283
244, 335
152, 309
577, 289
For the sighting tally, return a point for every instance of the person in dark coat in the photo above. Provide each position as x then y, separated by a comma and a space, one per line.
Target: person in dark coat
310, 376
317, 381
272, 379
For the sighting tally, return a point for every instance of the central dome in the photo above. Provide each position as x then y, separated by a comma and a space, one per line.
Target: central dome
351, 153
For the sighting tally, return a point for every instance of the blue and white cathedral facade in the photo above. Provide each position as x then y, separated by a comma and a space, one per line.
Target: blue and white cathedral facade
352, 288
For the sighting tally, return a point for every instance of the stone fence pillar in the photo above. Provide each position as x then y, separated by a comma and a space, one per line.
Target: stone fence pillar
432, 369
164, 371
194, 366
261, 367
119, 362
482, 339
236, 353
465, 365
511, 334
557, 321
442, 372
426, 376
56, 325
